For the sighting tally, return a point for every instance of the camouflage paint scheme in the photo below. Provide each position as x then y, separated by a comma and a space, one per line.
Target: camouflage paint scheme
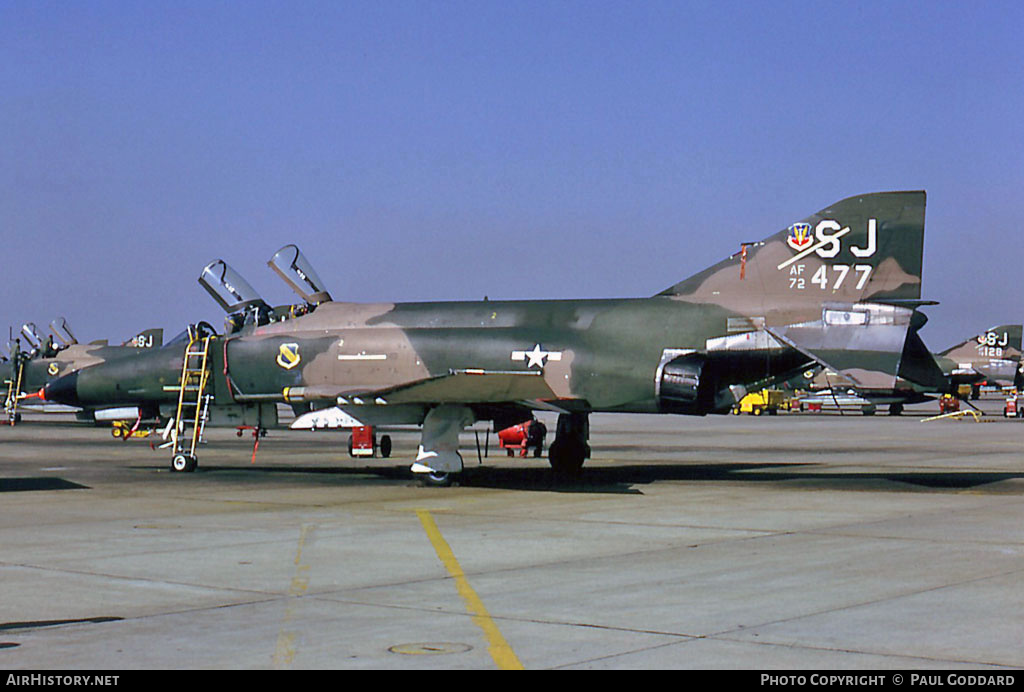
839, 289
38, 370
993, 356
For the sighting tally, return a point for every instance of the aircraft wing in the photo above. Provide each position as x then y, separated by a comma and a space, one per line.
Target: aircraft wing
468, 387
472, 387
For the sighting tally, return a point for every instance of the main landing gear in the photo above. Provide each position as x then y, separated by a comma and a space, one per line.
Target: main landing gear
438, 460
570, 449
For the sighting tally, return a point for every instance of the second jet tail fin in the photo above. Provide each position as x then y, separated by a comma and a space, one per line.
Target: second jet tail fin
1003, 342
149, 338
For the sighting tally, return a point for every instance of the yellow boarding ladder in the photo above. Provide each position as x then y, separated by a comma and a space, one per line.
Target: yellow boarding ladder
193, 401
14, 391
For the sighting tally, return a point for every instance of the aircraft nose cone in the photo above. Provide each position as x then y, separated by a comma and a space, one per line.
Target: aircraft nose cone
63, 390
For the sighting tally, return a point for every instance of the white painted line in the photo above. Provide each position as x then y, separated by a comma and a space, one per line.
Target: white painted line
811, 249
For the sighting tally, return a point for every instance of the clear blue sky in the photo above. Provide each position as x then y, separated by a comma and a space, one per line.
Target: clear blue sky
451, 150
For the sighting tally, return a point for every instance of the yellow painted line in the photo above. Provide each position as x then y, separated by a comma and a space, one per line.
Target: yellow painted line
499, 649
284, 652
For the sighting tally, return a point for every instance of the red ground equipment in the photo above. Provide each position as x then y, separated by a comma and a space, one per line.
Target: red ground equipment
948, 404
522, 437
363, 443
511, 439
1011, 409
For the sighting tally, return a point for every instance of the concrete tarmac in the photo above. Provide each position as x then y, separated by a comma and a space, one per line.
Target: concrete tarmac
798, 541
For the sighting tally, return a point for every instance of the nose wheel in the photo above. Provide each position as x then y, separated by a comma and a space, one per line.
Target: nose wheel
183, 463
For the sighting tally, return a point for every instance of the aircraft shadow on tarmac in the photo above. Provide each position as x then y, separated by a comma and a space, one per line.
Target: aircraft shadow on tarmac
623, 479
14, 485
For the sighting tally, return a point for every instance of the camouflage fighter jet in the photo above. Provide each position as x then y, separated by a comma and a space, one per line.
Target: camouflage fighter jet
992, 357
838, 289
150, 388
46, 361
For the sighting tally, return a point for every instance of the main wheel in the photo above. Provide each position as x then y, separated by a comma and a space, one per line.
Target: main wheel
567, 456
437, 479
385, 446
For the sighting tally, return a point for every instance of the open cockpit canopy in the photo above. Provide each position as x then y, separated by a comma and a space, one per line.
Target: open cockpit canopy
235, 295
60, 329
31, 334
291, 265
228, 288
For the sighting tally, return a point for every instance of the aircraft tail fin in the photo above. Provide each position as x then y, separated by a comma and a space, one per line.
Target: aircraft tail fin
863, 248
1003, 342
150, 338
840, 287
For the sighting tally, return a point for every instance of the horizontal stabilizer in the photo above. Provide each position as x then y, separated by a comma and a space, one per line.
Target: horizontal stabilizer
865, 344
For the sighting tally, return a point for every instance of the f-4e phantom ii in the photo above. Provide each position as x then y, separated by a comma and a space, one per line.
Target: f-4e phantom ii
992, 357
839, 289
45, 361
